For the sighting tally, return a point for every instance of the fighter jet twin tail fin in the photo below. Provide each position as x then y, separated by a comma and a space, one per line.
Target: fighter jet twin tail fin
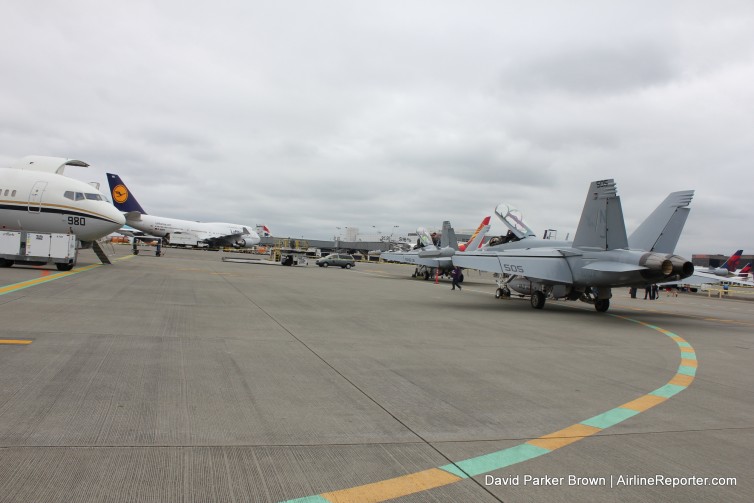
601, 225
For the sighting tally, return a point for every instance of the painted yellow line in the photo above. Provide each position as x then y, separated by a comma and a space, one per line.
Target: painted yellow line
566, 436
393, 488
681, 380
14, 341
33, 282
125, 257
645, 402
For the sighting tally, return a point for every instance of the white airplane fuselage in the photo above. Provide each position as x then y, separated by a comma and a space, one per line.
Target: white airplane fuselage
48, 202
193, 232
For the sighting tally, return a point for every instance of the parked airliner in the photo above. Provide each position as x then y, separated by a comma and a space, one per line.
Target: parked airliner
36, 196
175, 231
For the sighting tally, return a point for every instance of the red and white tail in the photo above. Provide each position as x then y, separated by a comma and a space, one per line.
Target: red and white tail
477, 238
263, 231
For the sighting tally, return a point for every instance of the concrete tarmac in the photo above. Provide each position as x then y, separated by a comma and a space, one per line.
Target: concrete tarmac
184, 378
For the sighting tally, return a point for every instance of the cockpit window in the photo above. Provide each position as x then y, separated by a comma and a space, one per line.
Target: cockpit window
69, 195
93, 197
79, 196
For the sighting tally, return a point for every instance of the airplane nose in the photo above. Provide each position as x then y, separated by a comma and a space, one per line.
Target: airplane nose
117, 217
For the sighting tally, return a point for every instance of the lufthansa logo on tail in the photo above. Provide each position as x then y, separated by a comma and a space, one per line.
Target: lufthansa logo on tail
120, 193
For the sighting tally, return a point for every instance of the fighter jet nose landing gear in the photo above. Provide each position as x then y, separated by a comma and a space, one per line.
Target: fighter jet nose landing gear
602, 305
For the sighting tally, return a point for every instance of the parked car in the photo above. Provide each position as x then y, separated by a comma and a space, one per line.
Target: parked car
336, 259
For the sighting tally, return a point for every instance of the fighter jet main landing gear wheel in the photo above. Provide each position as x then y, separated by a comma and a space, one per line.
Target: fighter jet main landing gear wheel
426, 275
537, 300
602, 305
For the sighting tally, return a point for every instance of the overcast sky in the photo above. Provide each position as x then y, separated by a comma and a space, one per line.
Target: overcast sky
311, 115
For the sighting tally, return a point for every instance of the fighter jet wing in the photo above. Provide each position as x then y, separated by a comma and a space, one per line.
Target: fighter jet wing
607, 266
548, 265
402, 257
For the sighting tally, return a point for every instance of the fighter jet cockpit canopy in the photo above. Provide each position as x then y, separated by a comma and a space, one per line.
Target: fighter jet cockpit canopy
514, 220
424, 238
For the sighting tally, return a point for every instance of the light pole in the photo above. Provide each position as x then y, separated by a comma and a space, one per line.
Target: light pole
395, 230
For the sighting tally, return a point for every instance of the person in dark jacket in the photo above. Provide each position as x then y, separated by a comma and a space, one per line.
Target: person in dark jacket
457, 276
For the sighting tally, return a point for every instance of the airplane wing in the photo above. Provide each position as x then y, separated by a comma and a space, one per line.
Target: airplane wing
227, 240
401, 257
548, 265
134, 233
701, 278
442, 262
608, 266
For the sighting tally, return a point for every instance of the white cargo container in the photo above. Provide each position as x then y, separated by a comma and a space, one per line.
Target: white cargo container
37, 248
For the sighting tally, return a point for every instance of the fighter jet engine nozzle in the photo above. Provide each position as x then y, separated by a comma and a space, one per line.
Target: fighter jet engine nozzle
681, 266
657, 266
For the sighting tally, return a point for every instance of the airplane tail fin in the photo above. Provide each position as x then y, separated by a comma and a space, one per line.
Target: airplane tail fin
601, 225
448, 238
122, 197
476, 239
662, 228
263, 231
732, 263
744, 272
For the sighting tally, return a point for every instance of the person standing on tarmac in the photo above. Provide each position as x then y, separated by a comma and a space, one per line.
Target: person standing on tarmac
456, 274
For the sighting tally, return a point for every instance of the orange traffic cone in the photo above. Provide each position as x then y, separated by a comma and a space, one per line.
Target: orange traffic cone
437, 276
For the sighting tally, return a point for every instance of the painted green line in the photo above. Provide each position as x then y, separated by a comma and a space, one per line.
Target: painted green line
683, 344
686, 370
495, 460
310, 499
610, 418
452, 468
689, 356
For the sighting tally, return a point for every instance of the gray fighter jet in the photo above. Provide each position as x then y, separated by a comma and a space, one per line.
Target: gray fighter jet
600, 257
427, 256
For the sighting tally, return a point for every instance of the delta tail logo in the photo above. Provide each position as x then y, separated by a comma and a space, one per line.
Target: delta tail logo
120, 194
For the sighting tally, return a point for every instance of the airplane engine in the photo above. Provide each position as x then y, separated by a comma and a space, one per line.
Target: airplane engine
682, 267
660, 266
244, 243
